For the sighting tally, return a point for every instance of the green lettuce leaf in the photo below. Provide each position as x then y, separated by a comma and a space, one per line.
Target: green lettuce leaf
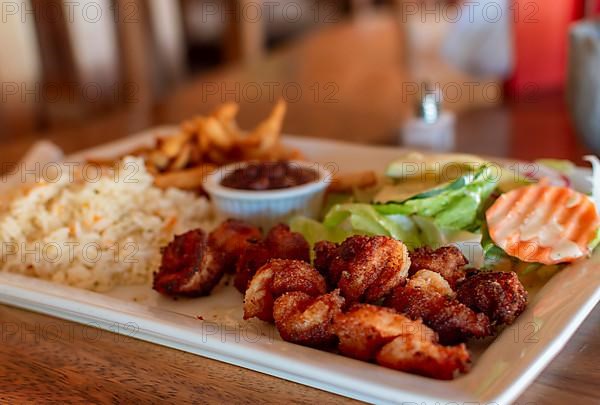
345, 220
435, 237
493, 255
365, 219
561, 166
314, 231
595, 179
457, 205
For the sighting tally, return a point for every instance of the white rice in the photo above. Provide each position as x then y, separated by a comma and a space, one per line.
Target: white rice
95, 234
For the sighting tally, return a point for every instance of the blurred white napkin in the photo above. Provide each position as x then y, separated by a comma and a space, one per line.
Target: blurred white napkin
480, 42
42, 152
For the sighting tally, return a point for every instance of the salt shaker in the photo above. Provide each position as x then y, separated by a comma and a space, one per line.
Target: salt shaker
431, 128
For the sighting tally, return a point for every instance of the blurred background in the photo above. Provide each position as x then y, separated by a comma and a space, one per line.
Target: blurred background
86, 72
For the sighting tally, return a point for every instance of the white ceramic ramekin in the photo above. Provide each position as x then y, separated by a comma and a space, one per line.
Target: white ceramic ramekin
270, 207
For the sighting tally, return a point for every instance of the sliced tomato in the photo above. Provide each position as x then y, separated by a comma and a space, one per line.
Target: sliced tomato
543, 223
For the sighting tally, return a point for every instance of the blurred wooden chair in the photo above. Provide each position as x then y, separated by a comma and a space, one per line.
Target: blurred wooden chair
245, 37
360, 6
72, 60
76, 60
245, 31
244, 28
20, 71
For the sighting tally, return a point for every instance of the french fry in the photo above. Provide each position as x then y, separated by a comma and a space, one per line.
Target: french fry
217, 156
273, 153
172, 145
158, 159
151, 168
280, 152
226, 114
247, 142
203, 143
188, 179
195, 153
267, 132
102, 162
216, 133
190, 126
182, 159
293, 154
226, 111
343, 183
271, 128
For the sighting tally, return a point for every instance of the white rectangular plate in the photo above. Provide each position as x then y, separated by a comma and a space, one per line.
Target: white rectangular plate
503, 367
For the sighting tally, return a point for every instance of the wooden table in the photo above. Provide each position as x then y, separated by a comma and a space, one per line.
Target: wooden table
81, 364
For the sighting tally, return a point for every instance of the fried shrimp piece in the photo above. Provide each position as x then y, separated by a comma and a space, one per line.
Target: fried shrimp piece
258, 300
192, 264
499, 295
325, 252
420, 356
188, 268
427, 296
276, 278
365, 328
369, 332
254, 257
231, 239
448, 261
285, 244
431, 281
306, 320
367, 268
296, 275
280, 243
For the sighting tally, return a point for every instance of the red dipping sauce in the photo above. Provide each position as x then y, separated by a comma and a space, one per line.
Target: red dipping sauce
262, 176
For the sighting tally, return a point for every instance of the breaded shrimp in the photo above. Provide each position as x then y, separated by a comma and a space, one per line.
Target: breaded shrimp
447, 261
367, 268
365, 328
418, 356
188, 267
280, 243
325, 252
427, 296
276, 278
230, 239
306, 320
499, 295
369, 332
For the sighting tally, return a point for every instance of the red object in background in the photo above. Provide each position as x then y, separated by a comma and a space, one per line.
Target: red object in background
541, 40
541, 35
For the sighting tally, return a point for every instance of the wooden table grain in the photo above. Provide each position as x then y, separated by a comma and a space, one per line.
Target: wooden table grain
47, 359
